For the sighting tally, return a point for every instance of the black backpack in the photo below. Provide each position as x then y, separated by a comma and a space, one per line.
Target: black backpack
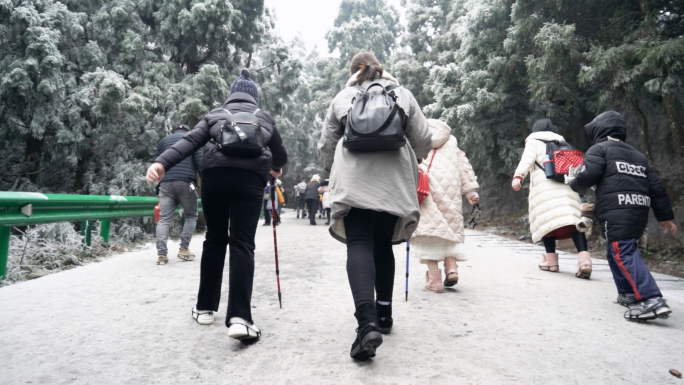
375, 122
241, 135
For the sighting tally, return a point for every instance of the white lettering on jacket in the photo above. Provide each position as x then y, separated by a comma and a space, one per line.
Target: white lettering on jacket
626, 168
634, 199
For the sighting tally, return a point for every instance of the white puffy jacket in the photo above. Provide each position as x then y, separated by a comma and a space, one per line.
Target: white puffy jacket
451, 176
552, 204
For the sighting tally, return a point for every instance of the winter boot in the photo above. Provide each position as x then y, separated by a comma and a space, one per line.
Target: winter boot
162, 260
583, 265
649, 309
450, 271
433, 281
549, 262
385, 320
368, 338
627, 299
186, 255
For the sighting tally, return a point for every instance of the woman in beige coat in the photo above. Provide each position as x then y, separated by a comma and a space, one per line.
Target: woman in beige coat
440, 234
373, 199
554, 209
324, 190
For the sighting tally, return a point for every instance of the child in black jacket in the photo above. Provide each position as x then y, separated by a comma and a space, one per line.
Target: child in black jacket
626, 187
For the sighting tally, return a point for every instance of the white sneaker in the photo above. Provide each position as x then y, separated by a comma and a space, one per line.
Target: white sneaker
241, 329
203, 317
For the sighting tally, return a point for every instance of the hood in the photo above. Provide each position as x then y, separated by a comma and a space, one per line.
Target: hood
609, 123
440, 132
385, 75
547, 136
240, 97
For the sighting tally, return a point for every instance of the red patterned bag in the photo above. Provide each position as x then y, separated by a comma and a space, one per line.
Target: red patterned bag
424, 181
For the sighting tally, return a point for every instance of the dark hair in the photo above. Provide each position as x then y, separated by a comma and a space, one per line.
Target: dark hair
544, 125
367, 65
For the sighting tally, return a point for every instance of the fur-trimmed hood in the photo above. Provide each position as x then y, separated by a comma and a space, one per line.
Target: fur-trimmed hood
385, 75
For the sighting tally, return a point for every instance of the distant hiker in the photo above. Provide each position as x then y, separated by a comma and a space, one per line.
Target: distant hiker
311, 198
554, 209
325, 200
626, 187
177, 187
268, 211
300, 188
440, 233
373, 193
232, 192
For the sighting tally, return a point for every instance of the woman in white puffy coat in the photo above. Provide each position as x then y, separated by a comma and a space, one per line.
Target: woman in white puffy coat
554, 209
440, 234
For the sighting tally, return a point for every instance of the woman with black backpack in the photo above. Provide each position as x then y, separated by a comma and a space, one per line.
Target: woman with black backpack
373, 192
554, 209
232, 195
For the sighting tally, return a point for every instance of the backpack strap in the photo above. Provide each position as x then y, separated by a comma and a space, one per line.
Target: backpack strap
255, 111
431, 159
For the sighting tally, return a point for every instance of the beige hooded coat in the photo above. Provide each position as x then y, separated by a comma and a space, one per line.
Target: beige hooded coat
384, 181
440, 232
552, 204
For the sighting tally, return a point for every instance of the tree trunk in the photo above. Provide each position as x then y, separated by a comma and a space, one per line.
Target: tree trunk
674, 122
643, 131
81, 168
34, 150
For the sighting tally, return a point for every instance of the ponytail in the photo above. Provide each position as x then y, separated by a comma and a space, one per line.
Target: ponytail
367, 66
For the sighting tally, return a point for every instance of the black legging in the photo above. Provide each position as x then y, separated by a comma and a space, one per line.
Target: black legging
578, 238
312, 206
235, 204
370, 260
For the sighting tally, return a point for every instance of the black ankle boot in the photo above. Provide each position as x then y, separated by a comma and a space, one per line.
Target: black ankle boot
385, 320
368, 338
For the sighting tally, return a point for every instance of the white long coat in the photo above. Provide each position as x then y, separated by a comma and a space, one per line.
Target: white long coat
440, 232
552, 204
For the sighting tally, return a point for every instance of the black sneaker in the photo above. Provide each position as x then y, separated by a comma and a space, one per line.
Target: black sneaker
627, 299
649, 309
367, 340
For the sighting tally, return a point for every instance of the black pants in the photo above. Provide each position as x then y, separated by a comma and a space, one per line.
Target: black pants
312, 206
370, 260
236, 195
578, 238
327, 213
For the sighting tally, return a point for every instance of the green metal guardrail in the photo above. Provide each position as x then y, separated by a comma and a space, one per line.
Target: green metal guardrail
21, 209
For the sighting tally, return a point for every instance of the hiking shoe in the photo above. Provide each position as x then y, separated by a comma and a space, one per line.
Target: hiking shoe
162, 260
627, 299
203, 317
368, 338
241, 329
186, 255
649, 309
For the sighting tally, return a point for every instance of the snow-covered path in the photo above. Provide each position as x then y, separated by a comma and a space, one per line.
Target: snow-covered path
127, 321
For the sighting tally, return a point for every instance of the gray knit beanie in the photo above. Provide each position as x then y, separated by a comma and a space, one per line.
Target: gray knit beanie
244, 84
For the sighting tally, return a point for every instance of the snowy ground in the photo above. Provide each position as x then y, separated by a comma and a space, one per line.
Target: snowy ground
127, 321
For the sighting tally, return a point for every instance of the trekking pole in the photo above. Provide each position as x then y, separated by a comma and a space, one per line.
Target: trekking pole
275, 238
408, 248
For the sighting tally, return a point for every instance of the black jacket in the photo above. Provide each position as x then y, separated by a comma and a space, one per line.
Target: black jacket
311, 191
187, 168
273, 158
626, 186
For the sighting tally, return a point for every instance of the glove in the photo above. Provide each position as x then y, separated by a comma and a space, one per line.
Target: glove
572, 173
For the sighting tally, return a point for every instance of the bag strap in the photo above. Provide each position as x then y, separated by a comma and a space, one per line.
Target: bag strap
431, 159
255, 111
386, 124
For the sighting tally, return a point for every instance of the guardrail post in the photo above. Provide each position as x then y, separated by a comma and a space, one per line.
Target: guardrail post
86, 231
104, 230
4, 249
